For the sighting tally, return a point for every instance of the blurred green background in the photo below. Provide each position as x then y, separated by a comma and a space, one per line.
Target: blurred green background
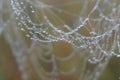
8, 65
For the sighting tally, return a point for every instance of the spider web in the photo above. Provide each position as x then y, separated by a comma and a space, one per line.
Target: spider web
91, 24
89, 28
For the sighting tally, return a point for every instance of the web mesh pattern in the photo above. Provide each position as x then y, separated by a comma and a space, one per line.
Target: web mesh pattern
88, 28
95, 24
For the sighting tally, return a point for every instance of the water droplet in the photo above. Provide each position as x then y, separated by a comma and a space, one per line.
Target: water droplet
33, 11
22, 29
